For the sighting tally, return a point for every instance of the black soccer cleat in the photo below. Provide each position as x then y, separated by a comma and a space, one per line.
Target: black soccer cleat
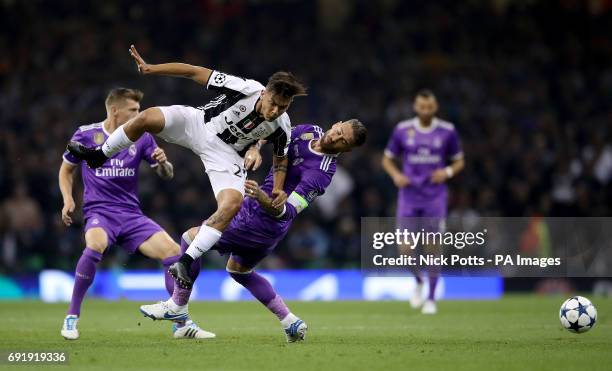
181, 274
94, 157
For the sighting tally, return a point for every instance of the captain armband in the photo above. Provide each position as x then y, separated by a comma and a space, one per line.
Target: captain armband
297, 201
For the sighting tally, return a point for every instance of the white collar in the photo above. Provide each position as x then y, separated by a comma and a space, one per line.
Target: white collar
425, 129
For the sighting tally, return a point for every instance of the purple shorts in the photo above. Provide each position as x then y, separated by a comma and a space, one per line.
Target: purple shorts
129, 229
430, 217
246, 253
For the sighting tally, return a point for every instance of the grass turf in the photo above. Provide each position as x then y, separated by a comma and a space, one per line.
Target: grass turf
515, 333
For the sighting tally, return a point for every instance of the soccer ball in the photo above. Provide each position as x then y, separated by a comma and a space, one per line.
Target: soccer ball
578, 314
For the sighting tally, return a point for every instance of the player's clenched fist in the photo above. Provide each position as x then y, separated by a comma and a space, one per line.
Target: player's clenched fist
159, 155
252, 159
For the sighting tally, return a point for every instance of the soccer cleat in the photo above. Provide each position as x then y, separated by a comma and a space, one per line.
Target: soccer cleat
429, 307
162, 311
69, 329
296, 331
416, 300
181, 274
191, 331
94, 157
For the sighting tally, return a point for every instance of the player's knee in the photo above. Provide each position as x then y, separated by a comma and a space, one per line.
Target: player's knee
236, 270
150, 120
231, 207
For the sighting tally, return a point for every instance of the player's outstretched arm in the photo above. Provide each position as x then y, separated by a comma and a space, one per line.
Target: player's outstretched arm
66, 179
252, 190
196, 73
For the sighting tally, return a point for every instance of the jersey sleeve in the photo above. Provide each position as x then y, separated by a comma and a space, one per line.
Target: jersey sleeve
149, 146
281, 138
394, 146
225, 83
453, 147
67, 156
312, 185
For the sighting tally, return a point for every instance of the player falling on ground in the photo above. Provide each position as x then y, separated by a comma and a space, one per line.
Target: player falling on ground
221, 133
111, 206
259, 226
431, 154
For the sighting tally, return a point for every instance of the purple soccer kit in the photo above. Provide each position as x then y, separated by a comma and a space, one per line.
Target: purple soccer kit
110, 199
421, 151
110, 202
253, 233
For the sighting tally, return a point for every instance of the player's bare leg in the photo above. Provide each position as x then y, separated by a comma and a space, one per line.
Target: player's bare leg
294, 328
228, 204
96, 241
150, 120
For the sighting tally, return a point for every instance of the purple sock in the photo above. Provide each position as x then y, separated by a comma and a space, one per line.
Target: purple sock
83, 278
167, 277
262, 291
433, 281
180, 296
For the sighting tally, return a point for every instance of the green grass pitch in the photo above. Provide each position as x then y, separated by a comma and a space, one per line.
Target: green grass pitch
515, 333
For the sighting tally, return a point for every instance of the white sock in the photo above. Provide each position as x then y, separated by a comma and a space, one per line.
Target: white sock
116, 142
288, 320
175, 307
206, 238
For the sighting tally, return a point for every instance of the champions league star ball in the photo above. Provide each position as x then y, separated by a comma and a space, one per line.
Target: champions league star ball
577, 314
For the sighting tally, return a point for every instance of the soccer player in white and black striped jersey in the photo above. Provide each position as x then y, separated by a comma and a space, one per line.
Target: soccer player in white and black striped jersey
225, 133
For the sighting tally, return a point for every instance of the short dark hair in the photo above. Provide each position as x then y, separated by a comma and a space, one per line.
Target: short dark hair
425, 93
119, 94
360, 132
286, 85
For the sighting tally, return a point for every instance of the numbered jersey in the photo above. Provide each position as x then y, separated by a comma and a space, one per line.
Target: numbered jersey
232, 116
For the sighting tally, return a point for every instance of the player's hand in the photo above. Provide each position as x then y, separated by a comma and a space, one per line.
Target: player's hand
252, 159
401, 181
66, 211
159, 155
439, 176
280, 197
143, 67
252, 189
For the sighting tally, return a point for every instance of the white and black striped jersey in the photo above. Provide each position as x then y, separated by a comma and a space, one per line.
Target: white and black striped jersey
232, 115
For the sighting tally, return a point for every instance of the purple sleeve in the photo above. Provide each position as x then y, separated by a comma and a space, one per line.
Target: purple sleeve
394, 146
76, 137
148, 148
312, 185
453, 146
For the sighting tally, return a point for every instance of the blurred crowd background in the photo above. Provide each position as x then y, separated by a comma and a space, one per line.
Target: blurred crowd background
527, 83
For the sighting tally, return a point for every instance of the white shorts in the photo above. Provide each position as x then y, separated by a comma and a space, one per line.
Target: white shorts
185, 126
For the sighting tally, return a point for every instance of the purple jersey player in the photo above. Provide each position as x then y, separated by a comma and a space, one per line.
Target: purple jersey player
430, 153
110, 202
258, 227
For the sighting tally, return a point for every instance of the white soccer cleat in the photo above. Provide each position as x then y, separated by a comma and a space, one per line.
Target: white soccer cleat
162, 311
191, 331
416, 300
296, 331
69, 329
429, 307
